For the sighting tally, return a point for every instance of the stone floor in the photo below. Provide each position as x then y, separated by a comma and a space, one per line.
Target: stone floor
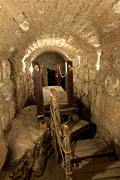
53, 171
29, 146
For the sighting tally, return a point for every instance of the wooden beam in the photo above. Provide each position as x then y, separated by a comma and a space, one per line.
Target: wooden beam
69, 82
67, 151
41, 69
39, 93
65, 111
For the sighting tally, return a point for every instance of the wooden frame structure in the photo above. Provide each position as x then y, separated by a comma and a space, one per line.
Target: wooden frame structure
60, 135
76, 154
38, 75
69, 82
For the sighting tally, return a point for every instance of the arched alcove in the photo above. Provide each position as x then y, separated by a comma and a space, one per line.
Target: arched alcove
50, 60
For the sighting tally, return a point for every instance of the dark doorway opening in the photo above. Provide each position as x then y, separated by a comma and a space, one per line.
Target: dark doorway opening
52, 81
51, 77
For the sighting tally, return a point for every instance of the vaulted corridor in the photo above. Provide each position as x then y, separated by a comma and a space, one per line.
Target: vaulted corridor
50, 34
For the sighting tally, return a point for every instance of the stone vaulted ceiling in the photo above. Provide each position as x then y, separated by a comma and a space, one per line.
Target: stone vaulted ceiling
27, 25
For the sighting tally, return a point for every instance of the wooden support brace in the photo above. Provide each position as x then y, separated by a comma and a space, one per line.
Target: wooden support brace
39, 94
67, 151
69, 82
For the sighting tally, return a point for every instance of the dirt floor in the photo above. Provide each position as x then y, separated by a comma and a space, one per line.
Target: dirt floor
53, 171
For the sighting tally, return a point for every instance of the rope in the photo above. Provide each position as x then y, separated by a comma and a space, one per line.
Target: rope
61, 72
54, 118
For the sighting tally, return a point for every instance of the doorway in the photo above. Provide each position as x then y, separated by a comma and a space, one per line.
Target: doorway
51, 77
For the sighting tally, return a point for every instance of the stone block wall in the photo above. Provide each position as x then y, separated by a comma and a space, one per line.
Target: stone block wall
84, 76
7, 90
106, 113
99, 92
15, 91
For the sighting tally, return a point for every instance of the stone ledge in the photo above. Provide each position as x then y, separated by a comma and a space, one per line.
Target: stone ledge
29, 147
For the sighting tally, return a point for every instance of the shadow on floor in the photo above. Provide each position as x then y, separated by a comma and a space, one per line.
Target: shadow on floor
52, 171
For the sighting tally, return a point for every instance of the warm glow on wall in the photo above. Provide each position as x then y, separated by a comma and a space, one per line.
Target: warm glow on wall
98, 60
43, 43
78, 61
31, 69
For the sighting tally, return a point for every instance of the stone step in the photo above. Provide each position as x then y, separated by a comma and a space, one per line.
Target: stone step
89, 148
77, 127
105, 170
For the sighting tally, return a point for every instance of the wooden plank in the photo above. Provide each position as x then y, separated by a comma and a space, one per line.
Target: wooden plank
117, 178
69, 82
77, 127
89, 148
99, 167
65, 112
108, 173
61, 105
39, 92
97, 160
62, 95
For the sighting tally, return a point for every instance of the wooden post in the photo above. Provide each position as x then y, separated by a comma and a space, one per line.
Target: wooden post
39, 94
69, 82
41, 69
58, 75
67, 151
55, 123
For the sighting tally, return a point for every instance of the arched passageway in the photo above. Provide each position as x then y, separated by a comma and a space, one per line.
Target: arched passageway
86, 33
50, 60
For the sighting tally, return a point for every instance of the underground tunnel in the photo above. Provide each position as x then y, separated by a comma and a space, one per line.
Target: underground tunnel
59, 89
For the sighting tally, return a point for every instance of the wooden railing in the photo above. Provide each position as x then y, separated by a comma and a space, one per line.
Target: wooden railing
61, 136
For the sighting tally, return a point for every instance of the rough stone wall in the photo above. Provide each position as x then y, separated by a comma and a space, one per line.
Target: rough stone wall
15, 91
106, 106
24, 88
99, 92
84, 82
7, 89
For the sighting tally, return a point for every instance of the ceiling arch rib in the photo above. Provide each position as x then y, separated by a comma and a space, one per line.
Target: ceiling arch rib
60, 46
92, 24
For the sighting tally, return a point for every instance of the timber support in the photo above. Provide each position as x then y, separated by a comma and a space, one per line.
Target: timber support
69, 82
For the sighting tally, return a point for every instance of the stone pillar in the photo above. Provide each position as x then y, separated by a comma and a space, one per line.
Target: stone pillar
58, 75
69, 82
